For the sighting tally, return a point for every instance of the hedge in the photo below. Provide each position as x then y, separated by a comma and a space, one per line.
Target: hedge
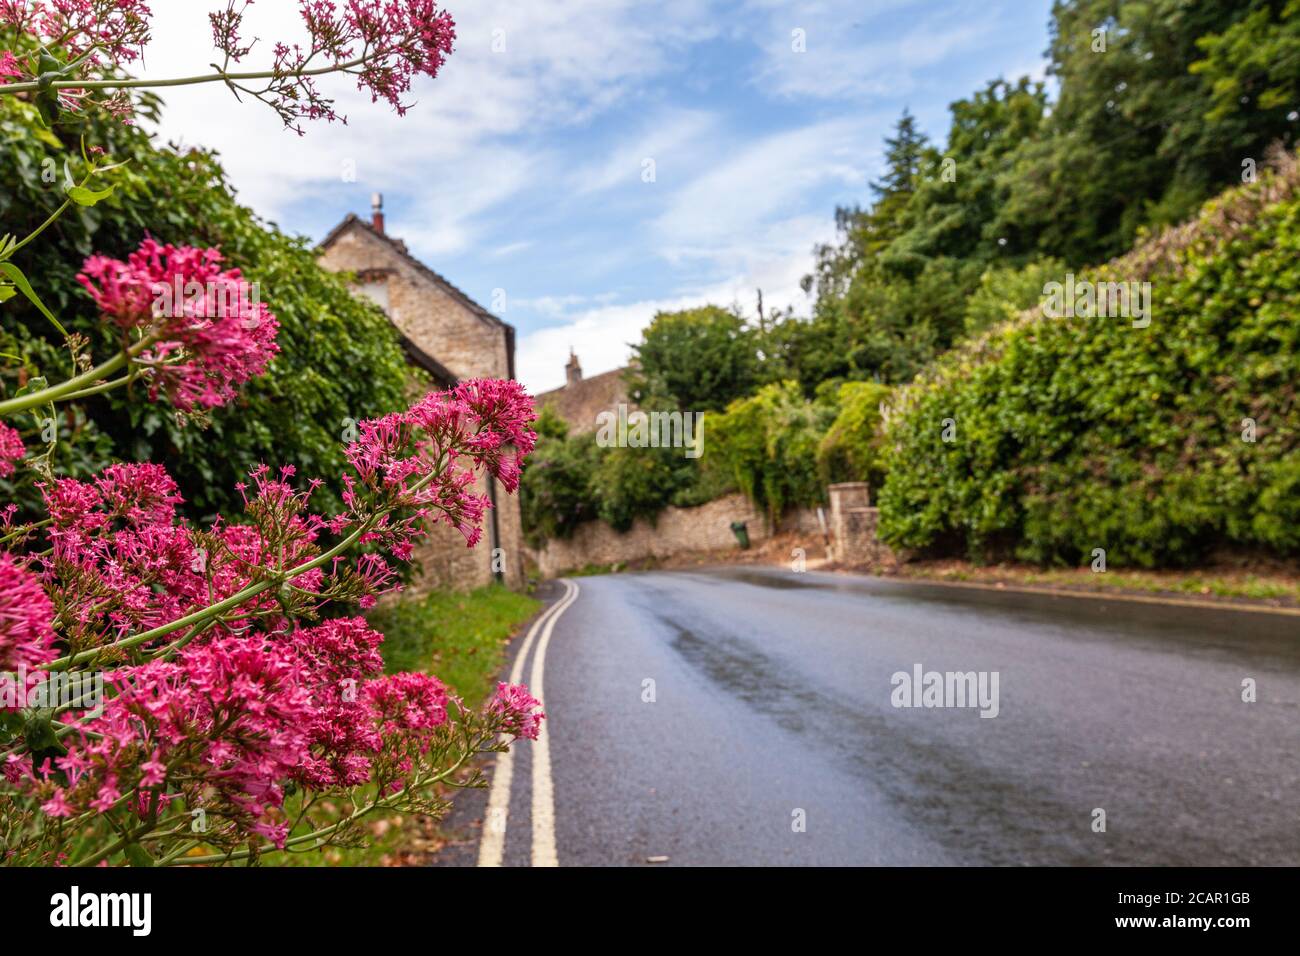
1075, 434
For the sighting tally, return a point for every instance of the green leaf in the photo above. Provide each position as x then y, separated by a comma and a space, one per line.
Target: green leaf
34, 384
88, 197
39, 734
17, 278
48, 105
46, 137
137, 855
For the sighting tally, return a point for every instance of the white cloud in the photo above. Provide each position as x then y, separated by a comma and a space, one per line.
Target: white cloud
502, 145
673, 134
602, 335
853, 50
738, 209
564, 61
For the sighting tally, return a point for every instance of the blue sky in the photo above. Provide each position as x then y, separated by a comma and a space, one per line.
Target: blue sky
519, 173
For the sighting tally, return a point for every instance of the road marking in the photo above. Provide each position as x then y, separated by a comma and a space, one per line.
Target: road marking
543, 787
493, 842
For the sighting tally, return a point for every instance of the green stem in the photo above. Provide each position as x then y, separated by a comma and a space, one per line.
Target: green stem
60, 392
357, 814
41, 228
97, 389
33, 86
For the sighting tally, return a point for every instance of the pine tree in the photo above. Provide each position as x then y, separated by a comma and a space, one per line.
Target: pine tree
903, 154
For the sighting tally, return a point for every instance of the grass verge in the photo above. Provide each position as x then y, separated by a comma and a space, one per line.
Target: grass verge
1277, 589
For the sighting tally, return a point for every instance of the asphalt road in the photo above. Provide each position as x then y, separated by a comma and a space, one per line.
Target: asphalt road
773, 706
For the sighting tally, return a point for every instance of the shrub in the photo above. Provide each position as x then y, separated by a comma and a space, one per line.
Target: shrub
1004, 292
1074, 434
768, 444
555, 495
851, 448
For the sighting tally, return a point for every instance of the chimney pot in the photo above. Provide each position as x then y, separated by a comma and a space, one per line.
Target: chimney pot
572, 370
377, 212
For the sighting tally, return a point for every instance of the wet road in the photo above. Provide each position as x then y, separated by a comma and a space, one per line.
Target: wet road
772, 736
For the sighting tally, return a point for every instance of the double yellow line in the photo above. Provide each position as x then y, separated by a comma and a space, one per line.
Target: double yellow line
492, 846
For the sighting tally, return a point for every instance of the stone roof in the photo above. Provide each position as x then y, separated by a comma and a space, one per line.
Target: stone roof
352, 220
578, 403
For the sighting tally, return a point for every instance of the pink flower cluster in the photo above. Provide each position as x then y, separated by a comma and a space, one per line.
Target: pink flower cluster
208, 330
26, 617
385, 44
226, 716
402, 39
233, 722
11, 449
224, 728
519, 710
120, 559
484, 423
117, 29
9, 67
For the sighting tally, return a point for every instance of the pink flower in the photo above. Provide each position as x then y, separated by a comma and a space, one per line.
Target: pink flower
402, 39
101, 35
9, 67
404, 702
118, 28
340, 656
520, 711
11, 449
58, 806
226, 725
416, 459
155, 772
26, 617
211, 331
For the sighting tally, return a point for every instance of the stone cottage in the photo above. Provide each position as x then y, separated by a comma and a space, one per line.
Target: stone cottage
451, 337
579, 400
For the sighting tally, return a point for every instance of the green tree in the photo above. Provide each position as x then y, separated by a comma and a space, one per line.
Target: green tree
555, 493
696, 360
1006, 291
1149, 127
851, 448
768, 443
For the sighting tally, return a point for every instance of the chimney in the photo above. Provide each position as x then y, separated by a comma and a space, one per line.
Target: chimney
572, 370
377, 212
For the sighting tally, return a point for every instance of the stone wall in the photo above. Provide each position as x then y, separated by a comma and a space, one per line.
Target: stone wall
851, 521
853, 528
677, 531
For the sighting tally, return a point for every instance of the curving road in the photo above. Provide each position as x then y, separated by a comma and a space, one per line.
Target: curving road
772, 737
